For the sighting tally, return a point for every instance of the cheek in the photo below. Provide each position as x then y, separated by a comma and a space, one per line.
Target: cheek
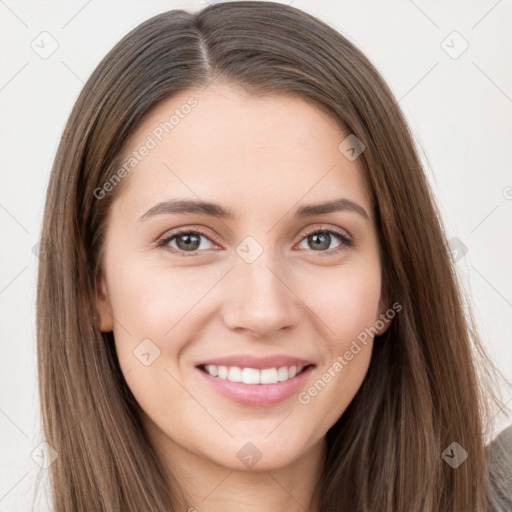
335, 385
347, 308
150, 301
154, 310
345, 302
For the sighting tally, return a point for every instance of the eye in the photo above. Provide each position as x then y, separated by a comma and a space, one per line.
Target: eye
190, 241
320, 239
185, 241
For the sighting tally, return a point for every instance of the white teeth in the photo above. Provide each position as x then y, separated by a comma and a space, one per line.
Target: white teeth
269, 376
252, 375
282, 373
235, 374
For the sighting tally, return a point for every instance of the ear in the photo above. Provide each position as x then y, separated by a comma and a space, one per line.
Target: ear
104, 307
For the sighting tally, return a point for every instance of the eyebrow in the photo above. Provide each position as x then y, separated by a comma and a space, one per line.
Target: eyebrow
184, 206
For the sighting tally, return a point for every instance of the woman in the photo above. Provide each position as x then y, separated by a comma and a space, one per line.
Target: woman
250, 303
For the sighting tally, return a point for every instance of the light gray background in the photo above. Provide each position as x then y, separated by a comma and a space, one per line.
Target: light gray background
459, 108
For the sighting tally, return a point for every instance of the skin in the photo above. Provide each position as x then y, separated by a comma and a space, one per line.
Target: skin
261, 158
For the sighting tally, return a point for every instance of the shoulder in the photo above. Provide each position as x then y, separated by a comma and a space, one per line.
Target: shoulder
501, 448
499, 453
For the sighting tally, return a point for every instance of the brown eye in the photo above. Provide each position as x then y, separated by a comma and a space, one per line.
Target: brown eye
186, 241
191, 241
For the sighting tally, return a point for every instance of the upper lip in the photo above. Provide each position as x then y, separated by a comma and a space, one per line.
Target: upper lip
259, 363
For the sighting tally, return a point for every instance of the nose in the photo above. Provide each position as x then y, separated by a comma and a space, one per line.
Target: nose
259, 298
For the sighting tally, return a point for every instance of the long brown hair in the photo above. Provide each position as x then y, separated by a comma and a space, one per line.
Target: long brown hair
423, 390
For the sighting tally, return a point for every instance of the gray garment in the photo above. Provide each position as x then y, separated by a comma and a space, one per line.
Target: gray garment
499, 452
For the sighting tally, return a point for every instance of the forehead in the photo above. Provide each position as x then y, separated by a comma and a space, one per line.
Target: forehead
223, 143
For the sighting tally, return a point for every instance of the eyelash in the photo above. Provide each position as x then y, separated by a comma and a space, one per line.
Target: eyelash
345, 240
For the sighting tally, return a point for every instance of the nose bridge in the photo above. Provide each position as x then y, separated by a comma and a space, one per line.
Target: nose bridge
259, 298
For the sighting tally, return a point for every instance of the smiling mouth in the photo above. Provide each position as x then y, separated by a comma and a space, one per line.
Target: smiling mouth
253, 375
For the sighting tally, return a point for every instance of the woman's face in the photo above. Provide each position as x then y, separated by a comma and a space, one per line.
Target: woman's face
252, 287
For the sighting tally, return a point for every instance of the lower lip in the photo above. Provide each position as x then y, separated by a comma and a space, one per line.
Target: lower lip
258, 395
